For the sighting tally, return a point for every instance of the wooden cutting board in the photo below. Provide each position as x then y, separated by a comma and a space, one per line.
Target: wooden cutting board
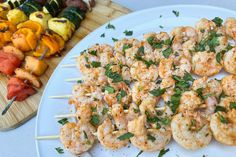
20, 112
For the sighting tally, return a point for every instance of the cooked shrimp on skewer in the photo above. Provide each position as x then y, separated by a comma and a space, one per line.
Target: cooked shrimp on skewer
223, 123
229, 85
205, 64
148, 139
191, 132
77, 138
230, 27
105, 132
229, 60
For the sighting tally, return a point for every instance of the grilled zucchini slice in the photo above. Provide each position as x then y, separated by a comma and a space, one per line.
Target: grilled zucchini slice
53, 7
62, 26
41, 18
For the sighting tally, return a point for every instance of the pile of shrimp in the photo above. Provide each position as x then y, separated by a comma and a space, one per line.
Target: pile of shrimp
143, 93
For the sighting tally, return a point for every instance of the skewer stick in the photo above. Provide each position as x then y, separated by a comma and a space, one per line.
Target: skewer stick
14, 98
73, 79
61, 96
51, 137
68, 65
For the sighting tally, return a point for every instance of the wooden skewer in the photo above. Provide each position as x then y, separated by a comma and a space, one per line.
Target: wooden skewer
51, 137
73, 79
61, 96
68, 66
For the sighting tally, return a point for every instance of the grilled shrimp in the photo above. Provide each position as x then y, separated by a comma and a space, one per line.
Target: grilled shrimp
229, 85
205, 64
166, 68
189, 101
119, 93
204, 27
148, 139
141, 72
223, 123
230, 27
182, 65
167, 83
133, 112
94, 57
185, 39
229, 60
191, 132
106, 133
77, 138
141, 91
156, 45
148, 105
85, 93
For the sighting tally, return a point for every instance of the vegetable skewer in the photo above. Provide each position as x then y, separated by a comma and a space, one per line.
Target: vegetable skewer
14, 98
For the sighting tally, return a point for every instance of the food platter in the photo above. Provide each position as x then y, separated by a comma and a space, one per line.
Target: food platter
150, 20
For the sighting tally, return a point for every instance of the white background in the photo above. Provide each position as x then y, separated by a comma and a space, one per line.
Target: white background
20, 142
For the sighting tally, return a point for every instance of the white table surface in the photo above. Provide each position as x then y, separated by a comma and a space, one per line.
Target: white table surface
20, 142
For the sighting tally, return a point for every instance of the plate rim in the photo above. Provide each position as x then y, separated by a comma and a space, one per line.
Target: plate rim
91, 34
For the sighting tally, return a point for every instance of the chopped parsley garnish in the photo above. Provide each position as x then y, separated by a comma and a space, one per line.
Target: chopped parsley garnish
139, 153
85, 135
94, 120
176, 13
110, 89
151, 138
219, 57
114, 39
93, 52
229, 47
120, 95
165, 121
218, 21
105, 110
160, 26
96, 64
127, 82
232, 105
222, 119
110, 26
148, 63
141, 50
157, 92
126, 46
125, 136
102, 35
174, 102
163, 152
59, 150
63, 121
79, 81
160, 16
207, 96
166, 53
128, 33
116, 77
220, 108
136, 110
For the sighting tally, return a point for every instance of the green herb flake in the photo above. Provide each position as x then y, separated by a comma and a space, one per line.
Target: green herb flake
102, 35
229, 47
176, 13
219, 57
85, 135
127, 82
157, 92
94, 120
110, 26
160, 26
165, 121
120, 95
220, 108
163, 152
151, 138
125, 136
96, 64
59, 150
166, 53
232, 105
141, 50
113, 75
110, 89
79, 81
139, 153
63, 121
222, 119
93, 52
105, 110
218, 21
126, 46
160, 16
128, 33
114, 39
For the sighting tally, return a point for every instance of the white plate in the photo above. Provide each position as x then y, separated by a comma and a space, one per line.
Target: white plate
140, 22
